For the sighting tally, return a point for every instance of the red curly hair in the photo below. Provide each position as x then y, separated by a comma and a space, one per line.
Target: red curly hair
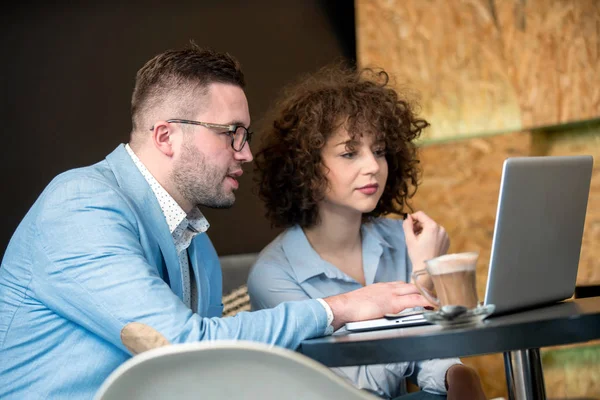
289, 168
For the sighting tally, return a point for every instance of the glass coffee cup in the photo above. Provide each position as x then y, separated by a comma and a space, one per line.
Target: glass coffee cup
449, 280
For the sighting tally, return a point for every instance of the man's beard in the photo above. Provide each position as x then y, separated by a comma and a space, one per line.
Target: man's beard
200, 183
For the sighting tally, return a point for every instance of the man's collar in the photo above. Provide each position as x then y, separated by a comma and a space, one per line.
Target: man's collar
172, 211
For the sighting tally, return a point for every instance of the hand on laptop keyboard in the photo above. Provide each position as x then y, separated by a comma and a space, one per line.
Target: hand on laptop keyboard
406, 312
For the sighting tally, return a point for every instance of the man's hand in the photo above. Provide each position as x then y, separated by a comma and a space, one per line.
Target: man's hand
463, 382
425, 239
374, 301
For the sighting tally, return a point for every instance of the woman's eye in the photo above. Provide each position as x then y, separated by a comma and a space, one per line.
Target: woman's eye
349, 154
379, 153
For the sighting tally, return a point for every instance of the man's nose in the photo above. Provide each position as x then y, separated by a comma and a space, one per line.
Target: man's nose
244, 155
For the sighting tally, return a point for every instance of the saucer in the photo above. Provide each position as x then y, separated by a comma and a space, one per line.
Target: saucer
470, 317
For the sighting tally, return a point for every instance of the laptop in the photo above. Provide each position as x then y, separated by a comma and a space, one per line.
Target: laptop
537, 237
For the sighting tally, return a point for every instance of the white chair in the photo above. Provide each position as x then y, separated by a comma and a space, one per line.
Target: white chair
225, 370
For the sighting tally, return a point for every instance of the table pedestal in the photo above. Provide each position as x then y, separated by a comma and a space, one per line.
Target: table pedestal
524, 376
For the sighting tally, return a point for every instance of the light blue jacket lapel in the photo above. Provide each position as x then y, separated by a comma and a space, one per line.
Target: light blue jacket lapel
132, 182
207, 271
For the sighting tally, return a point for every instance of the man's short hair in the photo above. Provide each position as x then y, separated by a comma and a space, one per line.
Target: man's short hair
174, 75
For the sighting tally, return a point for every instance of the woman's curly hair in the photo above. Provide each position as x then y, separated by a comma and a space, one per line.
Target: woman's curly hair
289, 169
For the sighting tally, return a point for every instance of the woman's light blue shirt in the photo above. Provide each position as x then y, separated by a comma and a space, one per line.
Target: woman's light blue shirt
290, 269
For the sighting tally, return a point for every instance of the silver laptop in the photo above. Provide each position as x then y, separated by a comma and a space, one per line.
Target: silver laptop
537, 236
538, 231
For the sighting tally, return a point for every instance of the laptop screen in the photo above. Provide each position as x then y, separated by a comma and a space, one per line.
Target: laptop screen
538, 231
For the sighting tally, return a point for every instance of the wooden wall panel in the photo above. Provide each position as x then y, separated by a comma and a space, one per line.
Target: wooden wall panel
572, 372
451, 55
585, 141
552, 48
486, 66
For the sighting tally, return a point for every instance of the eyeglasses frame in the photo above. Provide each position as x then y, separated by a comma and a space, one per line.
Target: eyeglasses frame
231, 130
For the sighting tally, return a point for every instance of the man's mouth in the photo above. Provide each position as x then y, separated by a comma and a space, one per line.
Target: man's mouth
235, 174
233, 177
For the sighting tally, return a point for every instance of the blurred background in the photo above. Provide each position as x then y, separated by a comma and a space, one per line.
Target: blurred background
496, 78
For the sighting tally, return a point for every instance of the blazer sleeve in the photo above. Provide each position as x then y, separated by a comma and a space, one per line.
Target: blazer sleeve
91, 269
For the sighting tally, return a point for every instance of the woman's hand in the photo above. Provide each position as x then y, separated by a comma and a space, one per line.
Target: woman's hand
425, 239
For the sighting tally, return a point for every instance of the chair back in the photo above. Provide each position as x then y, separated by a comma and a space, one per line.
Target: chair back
225, 370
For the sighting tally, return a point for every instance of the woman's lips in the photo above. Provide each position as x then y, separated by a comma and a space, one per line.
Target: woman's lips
369, 189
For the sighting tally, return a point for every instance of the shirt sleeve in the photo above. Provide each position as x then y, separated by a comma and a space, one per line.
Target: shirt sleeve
329, 329
92, 269
272, 283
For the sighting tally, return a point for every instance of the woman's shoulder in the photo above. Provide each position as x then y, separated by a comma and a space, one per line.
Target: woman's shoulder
387, 225
388, 229
272, 251
272, 266
273, 255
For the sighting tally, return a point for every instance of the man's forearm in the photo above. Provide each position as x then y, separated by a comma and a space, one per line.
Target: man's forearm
338, 305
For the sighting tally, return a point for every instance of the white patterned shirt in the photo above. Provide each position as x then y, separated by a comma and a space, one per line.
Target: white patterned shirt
183, 227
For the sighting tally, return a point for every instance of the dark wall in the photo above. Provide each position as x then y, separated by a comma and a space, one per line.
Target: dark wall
68, 71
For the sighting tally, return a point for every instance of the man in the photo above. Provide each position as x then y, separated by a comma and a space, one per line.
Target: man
113, 259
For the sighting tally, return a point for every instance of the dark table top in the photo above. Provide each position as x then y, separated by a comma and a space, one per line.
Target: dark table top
572, 321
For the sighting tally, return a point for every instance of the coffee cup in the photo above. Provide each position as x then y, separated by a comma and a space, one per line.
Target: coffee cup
452, 278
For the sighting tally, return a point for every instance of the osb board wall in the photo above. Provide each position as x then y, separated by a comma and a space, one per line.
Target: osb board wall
575, 143
460, 185
552, 50
484, 66
573, 372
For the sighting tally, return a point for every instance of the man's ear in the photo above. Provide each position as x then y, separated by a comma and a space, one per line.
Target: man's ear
162, 137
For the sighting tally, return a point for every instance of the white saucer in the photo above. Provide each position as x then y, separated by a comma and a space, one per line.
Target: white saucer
470, 317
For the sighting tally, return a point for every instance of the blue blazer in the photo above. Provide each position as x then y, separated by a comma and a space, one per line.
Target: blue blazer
93, 254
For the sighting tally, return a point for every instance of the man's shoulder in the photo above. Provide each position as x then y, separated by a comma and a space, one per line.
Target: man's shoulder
96, 185
107, 174
94, 177
104, 173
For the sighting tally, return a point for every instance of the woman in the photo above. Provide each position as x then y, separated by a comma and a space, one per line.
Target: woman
339, 156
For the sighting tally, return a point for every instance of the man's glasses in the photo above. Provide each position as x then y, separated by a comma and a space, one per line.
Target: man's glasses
239, 135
